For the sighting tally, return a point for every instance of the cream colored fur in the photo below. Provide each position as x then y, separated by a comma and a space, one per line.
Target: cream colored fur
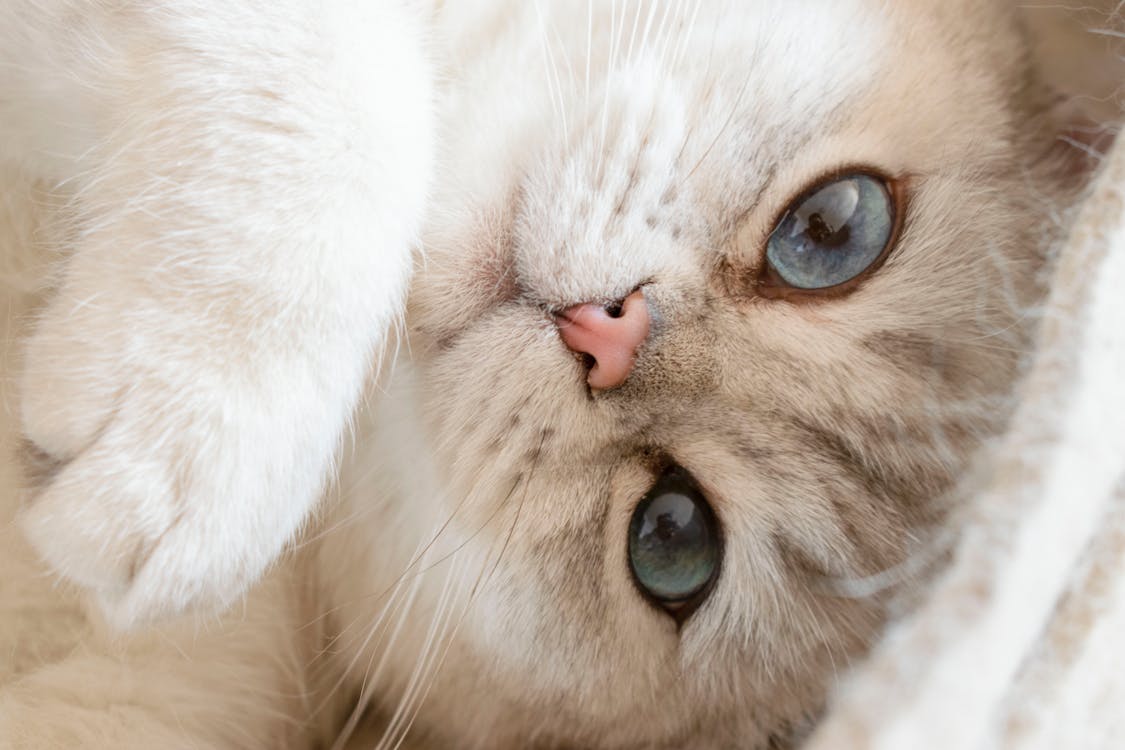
210, 210
243, 207
1021, 644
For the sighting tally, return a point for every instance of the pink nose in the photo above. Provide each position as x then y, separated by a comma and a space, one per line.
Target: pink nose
612, 340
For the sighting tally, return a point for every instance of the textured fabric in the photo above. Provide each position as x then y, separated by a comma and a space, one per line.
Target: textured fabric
1021, 642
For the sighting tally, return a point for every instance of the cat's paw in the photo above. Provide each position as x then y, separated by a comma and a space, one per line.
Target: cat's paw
241, 246
174, 453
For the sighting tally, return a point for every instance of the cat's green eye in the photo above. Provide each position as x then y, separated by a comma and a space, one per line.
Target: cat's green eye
833, 234
674, 544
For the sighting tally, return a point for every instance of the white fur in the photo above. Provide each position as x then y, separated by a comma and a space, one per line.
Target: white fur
241, 184
247, 181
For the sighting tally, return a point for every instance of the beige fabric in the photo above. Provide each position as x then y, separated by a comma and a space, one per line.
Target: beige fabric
1021, 644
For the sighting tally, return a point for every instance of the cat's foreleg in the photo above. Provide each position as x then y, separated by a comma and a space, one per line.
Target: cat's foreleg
241, 681
245, 217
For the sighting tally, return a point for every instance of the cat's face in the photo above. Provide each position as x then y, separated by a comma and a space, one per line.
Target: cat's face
820, 428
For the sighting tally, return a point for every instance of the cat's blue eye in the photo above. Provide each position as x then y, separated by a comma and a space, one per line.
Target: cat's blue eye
674, 543
833, 233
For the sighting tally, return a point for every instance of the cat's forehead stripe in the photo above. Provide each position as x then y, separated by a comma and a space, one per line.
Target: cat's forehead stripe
709, 127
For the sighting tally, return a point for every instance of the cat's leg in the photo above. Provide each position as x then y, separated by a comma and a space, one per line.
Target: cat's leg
246, 205
238, 682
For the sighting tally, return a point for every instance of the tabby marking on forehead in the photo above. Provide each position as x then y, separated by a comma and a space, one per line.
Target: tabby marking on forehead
657, 132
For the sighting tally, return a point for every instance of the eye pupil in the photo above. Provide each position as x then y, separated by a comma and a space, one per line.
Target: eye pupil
822, 234
674, 546
666, 527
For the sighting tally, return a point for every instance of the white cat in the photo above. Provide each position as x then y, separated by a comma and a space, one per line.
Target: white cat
714, 301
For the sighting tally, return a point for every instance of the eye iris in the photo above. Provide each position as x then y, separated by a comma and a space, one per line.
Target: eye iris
673, 540
833, 234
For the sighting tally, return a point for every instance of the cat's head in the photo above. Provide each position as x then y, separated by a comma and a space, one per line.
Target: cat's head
801, 399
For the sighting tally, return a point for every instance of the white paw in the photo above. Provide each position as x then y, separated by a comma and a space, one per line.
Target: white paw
242, 245
179, 446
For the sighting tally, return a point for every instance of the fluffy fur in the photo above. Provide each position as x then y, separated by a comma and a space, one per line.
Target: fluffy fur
231, 192
1019, 644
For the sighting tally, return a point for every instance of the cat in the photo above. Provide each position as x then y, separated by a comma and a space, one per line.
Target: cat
713, 304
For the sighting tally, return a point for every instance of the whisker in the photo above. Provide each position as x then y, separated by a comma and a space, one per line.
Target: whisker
425, 549
910, 569
633, 32
437, 625
360, 704
482, 580
554, 84
589, 45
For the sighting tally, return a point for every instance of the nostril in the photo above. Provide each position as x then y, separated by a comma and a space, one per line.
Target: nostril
606, 337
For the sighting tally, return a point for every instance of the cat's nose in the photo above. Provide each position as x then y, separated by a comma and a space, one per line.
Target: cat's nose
610, 337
